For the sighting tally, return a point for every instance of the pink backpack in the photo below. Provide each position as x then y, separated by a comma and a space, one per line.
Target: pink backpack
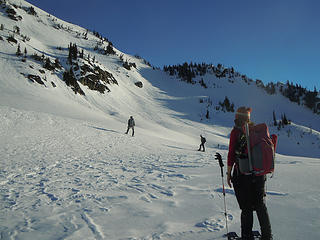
262, 151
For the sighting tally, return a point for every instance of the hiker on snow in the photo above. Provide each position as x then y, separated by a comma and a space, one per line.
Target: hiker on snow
131, 124
249, 189
203, 140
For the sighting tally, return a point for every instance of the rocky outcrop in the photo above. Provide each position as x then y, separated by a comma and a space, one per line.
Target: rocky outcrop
96, 78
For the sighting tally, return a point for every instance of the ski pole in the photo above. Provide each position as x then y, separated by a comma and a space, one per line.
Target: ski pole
219, 158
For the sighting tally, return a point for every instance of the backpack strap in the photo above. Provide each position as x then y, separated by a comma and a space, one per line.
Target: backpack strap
241, 143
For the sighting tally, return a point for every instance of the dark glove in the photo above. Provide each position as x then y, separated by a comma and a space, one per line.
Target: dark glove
219, 158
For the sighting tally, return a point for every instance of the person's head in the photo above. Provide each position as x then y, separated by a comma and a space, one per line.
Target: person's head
242, 115
131, 117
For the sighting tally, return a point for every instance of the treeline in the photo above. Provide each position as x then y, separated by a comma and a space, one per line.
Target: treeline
189, 71
295, 93
301, 95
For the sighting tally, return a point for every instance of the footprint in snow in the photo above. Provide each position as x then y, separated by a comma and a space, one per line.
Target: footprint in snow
211, 225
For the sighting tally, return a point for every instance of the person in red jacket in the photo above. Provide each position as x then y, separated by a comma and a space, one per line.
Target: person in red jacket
249, 189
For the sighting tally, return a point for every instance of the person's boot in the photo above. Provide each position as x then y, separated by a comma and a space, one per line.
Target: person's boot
264, 221
247, 237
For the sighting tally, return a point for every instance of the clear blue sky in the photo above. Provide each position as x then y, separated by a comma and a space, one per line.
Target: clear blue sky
271, 40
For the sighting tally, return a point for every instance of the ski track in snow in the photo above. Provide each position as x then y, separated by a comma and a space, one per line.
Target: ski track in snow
92, 226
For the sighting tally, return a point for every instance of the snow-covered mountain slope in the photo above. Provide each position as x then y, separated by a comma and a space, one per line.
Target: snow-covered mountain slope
68, 171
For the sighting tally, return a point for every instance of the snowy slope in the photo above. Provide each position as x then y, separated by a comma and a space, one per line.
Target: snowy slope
68, 171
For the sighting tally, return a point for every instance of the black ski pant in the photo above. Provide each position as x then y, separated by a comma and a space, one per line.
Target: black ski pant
201, 146
129, 129
250, 194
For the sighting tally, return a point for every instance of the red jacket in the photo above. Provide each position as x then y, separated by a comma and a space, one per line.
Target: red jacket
232, 144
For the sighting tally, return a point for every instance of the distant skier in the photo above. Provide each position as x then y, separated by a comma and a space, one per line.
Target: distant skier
249, 189
131, 124
203, 141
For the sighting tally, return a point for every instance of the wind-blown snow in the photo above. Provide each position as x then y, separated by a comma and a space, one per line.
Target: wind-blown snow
68, 171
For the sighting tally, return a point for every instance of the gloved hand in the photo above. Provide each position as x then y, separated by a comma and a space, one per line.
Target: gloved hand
219, 158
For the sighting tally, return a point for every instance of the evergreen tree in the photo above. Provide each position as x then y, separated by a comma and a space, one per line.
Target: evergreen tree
110, 50
311, 99
73, 53
70, 79
81, 54
274, 119
284, 119
202, 83
231, 107
270, 88
70, 55
226, 103
57, 63
18, 53
48, 65
207, 115
31, 11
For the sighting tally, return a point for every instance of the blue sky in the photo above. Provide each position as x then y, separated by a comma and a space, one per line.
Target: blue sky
274, 40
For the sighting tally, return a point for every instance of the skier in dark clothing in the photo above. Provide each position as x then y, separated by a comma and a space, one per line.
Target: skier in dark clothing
203, 140
131, 124
249, 189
